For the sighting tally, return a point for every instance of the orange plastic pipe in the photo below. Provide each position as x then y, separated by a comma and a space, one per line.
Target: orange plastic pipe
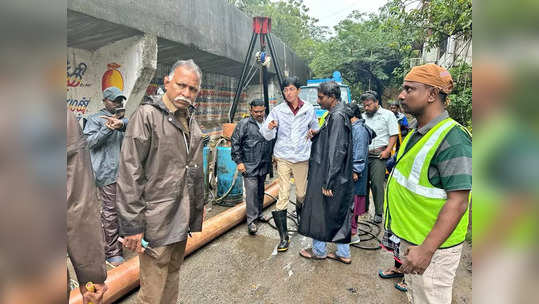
125, 277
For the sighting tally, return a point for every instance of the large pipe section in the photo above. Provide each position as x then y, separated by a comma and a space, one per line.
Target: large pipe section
125, 277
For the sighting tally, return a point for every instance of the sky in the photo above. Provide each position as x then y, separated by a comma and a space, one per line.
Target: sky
330, 12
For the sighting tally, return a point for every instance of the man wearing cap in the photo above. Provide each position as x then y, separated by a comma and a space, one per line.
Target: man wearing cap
105, 133
427, 192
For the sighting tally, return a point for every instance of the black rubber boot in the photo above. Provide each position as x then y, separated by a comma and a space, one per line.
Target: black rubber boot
299, 205
279, 217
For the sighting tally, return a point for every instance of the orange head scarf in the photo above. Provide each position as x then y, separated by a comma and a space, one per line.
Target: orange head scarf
433, 75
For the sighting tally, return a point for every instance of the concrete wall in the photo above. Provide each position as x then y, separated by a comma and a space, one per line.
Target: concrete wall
128, 64
213, 33
213, 27
456, 50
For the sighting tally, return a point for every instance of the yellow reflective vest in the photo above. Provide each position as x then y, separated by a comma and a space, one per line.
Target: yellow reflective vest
412, 203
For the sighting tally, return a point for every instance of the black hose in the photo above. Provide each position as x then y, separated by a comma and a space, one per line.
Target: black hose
369, 232
219, 201
273, 197
214, 199
362, 232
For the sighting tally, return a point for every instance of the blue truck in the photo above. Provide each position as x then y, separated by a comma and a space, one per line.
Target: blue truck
309, 92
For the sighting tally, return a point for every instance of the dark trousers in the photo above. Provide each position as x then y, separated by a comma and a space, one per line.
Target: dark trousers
377, 173
254, 192
109, 220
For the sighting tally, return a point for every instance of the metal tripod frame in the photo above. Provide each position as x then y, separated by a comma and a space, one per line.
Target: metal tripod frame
262, 28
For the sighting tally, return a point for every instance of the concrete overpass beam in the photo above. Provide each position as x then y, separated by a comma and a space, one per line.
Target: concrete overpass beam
128, 64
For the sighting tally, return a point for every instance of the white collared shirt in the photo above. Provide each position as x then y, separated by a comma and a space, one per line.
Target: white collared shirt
292, 143
385, 124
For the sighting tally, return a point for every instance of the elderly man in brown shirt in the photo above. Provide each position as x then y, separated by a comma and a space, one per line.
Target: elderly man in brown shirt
160, 183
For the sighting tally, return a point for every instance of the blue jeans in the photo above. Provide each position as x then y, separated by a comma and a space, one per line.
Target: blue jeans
319, 249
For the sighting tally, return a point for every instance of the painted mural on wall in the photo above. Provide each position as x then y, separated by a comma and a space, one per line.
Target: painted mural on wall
214, 102
75, 74
118, 64
78, 107
78, 85
152, 89
112, 77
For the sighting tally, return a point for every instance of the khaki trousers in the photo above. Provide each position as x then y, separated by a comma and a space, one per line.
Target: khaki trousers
435, 286
285, 170
160, 275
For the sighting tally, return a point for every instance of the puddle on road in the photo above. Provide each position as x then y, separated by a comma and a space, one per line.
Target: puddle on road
259, 245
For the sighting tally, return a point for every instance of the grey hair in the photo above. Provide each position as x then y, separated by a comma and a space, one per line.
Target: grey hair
189, 64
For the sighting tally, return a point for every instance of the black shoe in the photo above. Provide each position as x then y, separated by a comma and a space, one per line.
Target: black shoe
279, 217
264, 218
252, 229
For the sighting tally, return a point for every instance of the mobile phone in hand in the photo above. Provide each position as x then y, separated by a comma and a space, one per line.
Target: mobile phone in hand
119, 112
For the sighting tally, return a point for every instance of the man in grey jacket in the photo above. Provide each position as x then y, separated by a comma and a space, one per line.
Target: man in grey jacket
105, 133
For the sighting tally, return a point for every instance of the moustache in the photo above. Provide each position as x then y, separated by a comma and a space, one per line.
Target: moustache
187, 100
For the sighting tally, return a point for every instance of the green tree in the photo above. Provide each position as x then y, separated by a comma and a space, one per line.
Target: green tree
376, 51
367, 50
460, 99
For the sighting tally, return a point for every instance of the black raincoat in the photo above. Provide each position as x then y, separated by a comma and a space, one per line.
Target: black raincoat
251, 148
330, 166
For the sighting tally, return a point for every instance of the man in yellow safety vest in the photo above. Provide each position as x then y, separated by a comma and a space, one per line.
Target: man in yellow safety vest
426, 201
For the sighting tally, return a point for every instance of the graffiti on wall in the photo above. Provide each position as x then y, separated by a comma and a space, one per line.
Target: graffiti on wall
75, 74
77, 86
78, 106
112, 77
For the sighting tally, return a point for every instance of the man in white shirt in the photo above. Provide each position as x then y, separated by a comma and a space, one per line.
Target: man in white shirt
293, 122
385, 125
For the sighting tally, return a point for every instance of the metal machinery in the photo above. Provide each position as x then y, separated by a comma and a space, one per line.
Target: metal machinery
262, 28
224, 186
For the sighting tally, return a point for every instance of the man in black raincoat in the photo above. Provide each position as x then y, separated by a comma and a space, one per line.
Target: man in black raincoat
326, 215
252, 153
